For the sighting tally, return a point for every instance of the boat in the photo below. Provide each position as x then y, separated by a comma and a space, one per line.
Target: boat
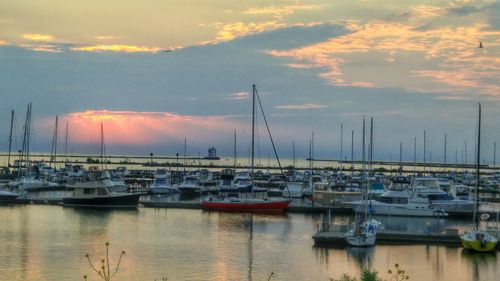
191, 185
8, 197
162, 183
429, 190
362, 233
244, 195
245, 204
478, 240
399, 201
95, 189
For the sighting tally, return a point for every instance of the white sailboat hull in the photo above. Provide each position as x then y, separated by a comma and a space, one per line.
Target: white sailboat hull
366, 239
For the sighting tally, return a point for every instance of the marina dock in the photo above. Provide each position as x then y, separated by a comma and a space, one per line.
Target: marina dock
335, 237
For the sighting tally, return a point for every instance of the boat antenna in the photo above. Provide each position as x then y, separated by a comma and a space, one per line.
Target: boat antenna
478, 163
272, 141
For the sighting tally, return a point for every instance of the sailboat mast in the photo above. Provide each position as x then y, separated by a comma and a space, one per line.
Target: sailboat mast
371, 148
66, 143
364, 158
400, 158
445, 148
424, 152
10, 137
341, 147
56, 137
253, 133
478, 163
23, 149
53, 155
234, 152
28, 140
352, 153
102, 147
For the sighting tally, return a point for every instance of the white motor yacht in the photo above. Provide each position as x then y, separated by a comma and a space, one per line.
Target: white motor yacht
428, 190
191, 185
162, 183
398, 202
95, 189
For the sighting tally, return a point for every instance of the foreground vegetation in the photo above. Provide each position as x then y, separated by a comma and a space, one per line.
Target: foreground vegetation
106, 272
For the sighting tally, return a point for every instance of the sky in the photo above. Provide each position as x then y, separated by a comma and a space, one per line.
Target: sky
158, 72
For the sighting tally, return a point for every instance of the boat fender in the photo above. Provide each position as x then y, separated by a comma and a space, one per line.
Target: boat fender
438, 213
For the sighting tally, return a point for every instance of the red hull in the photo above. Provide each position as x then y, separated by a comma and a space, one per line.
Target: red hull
264, 206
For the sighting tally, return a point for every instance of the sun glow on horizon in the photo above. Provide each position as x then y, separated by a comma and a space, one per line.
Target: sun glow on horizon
133, 128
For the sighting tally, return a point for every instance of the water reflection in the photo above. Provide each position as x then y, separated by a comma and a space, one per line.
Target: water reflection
49, 243
479, 263
363, 256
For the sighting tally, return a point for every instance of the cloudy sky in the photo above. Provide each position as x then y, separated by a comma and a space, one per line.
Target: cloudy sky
155, 72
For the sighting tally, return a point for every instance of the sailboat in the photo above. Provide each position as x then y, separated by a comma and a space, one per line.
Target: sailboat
27, 180
477, 239
249, 197
363, 231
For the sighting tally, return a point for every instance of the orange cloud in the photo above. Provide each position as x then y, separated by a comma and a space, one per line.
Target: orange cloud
137, 128
38, 37
42, 48
105, 37
301, 106
239, 29
280, 11
427, 11
116, 48
454, 51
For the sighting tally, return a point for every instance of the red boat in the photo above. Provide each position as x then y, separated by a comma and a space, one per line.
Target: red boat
246, 204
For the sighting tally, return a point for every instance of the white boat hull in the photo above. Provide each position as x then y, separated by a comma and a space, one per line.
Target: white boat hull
417, 210
362, 240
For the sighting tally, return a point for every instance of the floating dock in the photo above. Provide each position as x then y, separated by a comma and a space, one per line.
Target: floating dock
335, 237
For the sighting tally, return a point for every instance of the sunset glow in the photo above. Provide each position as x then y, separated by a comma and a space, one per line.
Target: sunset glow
128, 127
173, 70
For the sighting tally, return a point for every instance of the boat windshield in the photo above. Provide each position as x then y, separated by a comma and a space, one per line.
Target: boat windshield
433, 184
190, 181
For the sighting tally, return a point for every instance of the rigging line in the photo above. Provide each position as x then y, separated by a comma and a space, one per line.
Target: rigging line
272, 142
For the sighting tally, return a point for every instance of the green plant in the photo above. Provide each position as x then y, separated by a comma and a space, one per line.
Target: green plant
368, 275
105, 271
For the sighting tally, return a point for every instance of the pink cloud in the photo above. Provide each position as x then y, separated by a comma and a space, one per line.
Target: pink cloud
141, 128
239, 96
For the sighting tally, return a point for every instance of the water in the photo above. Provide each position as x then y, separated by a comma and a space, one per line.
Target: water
49, 243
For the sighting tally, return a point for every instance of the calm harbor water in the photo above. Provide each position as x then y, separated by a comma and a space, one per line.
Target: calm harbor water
49, 243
